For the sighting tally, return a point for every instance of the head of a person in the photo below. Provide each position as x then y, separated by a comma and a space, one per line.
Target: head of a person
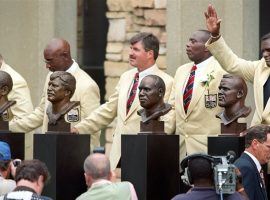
61, 86
151, 91
34, 172
257, 142
195, 48
144, 50
232, 89
200, 169
5, 159
265, 48
96, 167
57, 55
6, 83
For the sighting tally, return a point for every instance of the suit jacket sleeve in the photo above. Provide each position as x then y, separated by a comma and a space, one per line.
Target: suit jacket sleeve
90, 100
249, 177
21, 94
169, 119
230, 61
31, 121
102, 116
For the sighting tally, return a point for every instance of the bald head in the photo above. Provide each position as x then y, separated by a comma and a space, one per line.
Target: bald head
97, 166
6, 83
232, 91
57, 55
238, 83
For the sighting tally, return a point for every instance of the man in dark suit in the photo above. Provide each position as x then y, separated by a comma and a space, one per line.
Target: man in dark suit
257, 152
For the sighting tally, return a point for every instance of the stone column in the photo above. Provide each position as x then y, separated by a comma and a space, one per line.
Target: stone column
26, 28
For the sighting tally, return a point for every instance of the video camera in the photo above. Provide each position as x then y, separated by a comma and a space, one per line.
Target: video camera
225, 173
223, 169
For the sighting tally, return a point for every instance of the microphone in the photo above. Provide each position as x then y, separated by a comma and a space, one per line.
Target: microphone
231, 155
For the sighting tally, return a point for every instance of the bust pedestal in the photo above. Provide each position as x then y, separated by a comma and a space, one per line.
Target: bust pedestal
64, 155
152, 127
151, 163
3, 126
233, 128
16, 142
220, 145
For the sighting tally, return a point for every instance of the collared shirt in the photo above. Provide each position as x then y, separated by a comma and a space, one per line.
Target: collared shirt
255, 160
104, 181
199, 74
143, 74
73, 67
6, 185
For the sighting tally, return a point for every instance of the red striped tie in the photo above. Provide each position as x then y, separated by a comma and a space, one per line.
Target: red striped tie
189, 88
133, 91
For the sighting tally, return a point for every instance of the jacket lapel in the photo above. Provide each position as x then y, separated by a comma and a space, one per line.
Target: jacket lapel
247, 157
124, 94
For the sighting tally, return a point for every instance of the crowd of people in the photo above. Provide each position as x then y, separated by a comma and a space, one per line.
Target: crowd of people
200, 91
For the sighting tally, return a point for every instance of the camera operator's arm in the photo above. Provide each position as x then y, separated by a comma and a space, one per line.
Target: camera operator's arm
13, 165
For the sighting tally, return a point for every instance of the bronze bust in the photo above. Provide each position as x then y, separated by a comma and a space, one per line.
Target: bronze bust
61, 87
6, 85
231, 96
151, 92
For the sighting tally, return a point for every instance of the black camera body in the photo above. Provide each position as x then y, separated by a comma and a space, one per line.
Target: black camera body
224, 175
16, 163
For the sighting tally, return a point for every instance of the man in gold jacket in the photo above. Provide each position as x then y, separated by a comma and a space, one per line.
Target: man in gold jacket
21, 94
57, 58
196, 121
256, 72
143, 54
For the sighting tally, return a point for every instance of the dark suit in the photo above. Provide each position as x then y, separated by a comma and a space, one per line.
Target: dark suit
251, 178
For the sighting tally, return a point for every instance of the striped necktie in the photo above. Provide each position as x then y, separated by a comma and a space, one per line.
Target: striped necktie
133, 91
189, 88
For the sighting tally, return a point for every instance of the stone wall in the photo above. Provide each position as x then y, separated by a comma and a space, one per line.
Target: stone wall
127, 18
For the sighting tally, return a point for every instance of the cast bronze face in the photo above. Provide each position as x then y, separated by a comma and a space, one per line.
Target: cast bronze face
57, 91
228, 93
149, 94
6, 83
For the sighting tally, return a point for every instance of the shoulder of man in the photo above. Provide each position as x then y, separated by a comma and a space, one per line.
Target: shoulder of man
83, 79
37, 197
16, 77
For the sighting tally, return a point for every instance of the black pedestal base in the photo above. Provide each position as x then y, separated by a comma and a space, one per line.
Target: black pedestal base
220, 145
151, 163
64, 155
16, 142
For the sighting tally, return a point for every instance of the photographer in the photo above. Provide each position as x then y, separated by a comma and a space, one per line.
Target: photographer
201, 175
6, 169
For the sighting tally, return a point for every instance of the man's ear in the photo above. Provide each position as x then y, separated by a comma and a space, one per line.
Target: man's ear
67, 93
240, 94
161, 92
150, 54
4, 90
88, 180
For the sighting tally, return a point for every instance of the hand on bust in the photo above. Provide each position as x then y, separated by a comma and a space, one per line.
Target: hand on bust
74, 130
